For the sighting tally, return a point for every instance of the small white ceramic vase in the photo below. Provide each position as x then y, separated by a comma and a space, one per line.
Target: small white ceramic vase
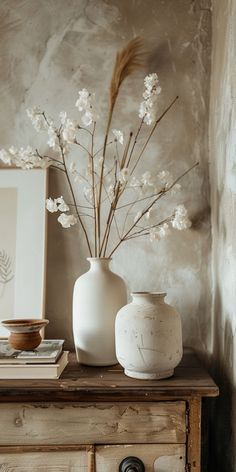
148, 337
98, 295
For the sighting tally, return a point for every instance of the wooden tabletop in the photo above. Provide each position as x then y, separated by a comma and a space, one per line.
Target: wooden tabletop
82, 383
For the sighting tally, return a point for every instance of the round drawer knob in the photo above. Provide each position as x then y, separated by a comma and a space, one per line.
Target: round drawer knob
131, 464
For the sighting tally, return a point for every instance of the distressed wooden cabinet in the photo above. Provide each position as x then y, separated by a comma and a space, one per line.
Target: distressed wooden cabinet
91, 419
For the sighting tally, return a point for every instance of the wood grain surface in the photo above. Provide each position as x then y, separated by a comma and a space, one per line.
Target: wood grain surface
102, 423
81, 383
156, 457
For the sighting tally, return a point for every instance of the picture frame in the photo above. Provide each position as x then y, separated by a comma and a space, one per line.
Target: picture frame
22, 243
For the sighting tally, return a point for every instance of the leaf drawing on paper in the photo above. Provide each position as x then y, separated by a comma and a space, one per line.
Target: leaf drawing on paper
6, 272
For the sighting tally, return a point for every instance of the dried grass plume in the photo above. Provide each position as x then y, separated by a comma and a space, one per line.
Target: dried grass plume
128, 60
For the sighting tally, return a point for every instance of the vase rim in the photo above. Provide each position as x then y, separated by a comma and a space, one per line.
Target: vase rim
155, 294
99, 258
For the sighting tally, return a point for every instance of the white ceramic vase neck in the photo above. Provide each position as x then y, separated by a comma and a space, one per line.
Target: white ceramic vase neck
98, 296
99, 263
147, 298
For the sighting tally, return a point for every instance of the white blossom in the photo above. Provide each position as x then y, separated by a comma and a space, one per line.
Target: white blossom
26, 158
62, 206
87, 118
151, 83
135, 182
67, 220
147, 112
56, 204
63, 117
159, 232
13, 151
124, 175
84, 104
146, 108
166, 178
145, 184
163, 230
37, 119
53, 139
147, 179
110, 191
69, 131
51, 205
181, 220
119, 136
6, 157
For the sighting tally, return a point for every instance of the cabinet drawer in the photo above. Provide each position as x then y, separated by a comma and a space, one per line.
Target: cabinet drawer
155, 457
45, 461
102, 423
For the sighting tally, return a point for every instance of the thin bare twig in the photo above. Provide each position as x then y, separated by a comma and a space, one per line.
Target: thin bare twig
94, 191
151, 133
83, 147
118, 193
150, 206
73, 197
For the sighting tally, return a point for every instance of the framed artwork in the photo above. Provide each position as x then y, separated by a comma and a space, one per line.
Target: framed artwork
22, 243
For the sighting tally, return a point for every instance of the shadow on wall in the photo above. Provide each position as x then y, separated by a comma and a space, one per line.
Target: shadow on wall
221, 451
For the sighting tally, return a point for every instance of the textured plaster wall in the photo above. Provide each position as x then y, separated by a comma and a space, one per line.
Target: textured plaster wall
51, 48
223, 192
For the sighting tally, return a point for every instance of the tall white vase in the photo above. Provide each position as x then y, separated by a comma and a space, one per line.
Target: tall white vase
98, 295
148, 337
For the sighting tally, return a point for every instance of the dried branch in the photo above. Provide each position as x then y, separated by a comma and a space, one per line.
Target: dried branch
150, 206
151, 133
73, 197
128, 60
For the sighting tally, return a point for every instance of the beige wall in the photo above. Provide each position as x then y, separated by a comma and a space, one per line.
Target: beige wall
52, 48
223, 191
49, 50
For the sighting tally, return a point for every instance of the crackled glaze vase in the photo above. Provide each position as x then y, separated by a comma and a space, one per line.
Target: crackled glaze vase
148, 337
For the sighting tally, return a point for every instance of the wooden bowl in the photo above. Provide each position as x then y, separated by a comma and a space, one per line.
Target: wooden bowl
24, 333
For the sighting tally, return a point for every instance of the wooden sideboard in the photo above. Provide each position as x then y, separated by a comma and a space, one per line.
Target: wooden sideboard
91, 419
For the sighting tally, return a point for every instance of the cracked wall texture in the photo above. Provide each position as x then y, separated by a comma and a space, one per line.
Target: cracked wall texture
51, 49
223, 197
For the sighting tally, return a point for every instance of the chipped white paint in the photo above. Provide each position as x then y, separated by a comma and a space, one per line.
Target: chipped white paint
148, 337
155, 457
102, 423
169, 463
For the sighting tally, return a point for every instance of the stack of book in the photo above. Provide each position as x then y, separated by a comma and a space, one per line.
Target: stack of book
47, 361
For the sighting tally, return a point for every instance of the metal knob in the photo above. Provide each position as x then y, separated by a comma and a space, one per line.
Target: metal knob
131, 464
